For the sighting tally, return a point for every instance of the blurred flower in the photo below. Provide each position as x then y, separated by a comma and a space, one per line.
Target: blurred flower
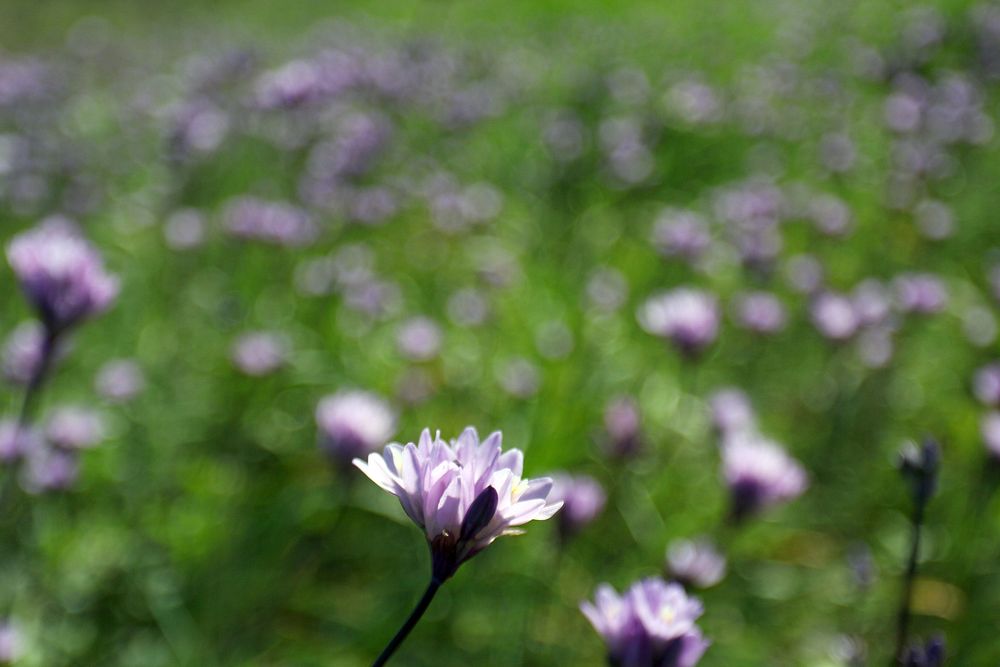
607, 289
260, 353
22, 352
11, 643
419, 338
989, 429
583, 501
74, 427
920, 293
834, 316
830, 215
554, 339
695, 563
687, 317
564, 136
759, 474
934, 219
931, 655
760, 312
804, 274
919, 465
837, 153
731, 411
61, 274
986, 384
468, 307
50, 469
871, 301
184, 229
875, 347
353, 424
16, 441
652, 625
120, 380
681, 233
463, 495
269, 222
623, 425
519, 377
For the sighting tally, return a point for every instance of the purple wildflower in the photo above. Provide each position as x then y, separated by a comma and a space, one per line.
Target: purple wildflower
759, 474
681, 233
834, 316
73, 427
652, 625
921, 293
989, 429
22, 352
732, 412
623, 425
419, 339
11, 643
583, 501
986, 384
696, 563
353, 424
120, 380
50, 469
687, 317
464, 495
760, 312
269, 222
16, 441
62, 275
260, 353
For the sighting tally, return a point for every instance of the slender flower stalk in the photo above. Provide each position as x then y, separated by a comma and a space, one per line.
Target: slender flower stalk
464, 495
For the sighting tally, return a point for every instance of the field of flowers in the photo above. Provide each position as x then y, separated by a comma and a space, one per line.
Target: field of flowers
727, 278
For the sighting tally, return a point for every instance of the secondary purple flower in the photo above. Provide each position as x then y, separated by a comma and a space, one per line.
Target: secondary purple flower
464, 495
652, 625
872, 303
687, 317
73, 427
986, 384
760, 312
419, 338
11, 643
759, 474
834, 316
352, 424
681, 233
50, 469
731, 411
931, 655
989, 429
15, 441
260, 353
583, 501
696, 563
22, 352
62, 274
921, 293
269, 222
623, 425
120, 380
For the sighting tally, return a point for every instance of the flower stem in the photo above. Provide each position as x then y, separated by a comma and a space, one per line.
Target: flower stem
911, 573
411, 622
33, 389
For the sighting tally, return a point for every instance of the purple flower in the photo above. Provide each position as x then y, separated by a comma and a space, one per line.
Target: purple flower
22, 352
120, 380
652, 625
419, 339
687, 317
464, 495
681, 233
184, 229
519, 377
804, 274
986, 384
834, 316
352, 424
11, 643
759, 474
62, 274
760, 312
73, 427
931, 655
989, 429
50, 469
15, 441
871, 301
623, 425
260, 353
731, 411
583, 501
696, 563
269, 222
921, 293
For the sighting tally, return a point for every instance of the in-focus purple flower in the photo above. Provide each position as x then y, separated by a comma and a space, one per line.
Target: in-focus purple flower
353, 424
920, 293
583, 501
73, 427
732, 412
62, 274
652, 625
759, 474
989, 429
834, 316
695, 563
688, 317
419, 338
120, 380
260, 353
623, 425
16, 441
760, 312
464, 495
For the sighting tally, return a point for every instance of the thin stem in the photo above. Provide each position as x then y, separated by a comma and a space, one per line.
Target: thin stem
33, 389
911, 574
411, 622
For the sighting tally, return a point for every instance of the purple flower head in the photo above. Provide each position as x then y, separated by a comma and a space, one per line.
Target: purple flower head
73, 427
732, 412
464, 495
872, 303
22, 352
931, 655
269, 222
989, 429
353, 424
687, 317
11, 643
934, 219
834, 316
830, 215
468, 307
120, 380
419, 339
696, 563
759, 474
519, 377
15, 441
607, 289
837, 153
681, 233
62, 274
50, 469
623, 425
260, 353
804, 274
760, 312
986, 384
184, 229
583, 501
652, 625
920, 293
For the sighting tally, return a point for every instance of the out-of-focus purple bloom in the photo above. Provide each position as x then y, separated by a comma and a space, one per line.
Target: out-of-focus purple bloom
468, 307
902, 112
934, 219
760, 312
759, 474
694, 102
875, 346
834, 316
652, 625
837, 153
15, 441
979, 326
50, 469
62, 274
931, 655
198, 126
293, 84
353, 424
565, 136
419, 339
464, 495
687, 317
120, 380
921, 293
989, 429
415, 386
519, 377
184, 229
623, 425
260, 353
373, 205
629, 159
804, 274
22, 352
74, 427
269, 222
583, 501
607, 289
681, 233
11, 643
986, 384
554, 339
872, 302
732, 412
696, 563
830, 215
